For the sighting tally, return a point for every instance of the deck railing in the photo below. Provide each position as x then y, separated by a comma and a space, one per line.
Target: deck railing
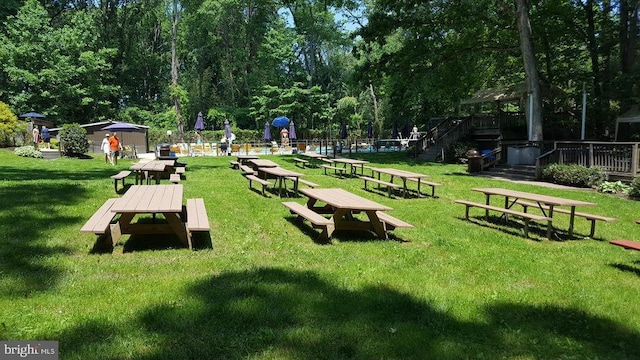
616, 158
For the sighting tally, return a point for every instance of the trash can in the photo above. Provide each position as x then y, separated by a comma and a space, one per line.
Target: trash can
165, 149
474, 161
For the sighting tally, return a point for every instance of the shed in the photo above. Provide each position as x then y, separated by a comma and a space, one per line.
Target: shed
629, 117
95, 134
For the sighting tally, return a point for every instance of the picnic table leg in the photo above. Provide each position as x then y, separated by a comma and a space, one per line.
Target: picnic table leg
573, 214
178, 227
550, 225
377, 225
486, 211
404, 185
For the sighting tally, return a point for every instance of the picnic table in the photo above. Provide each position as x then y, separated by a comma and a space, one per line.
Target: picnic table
150, 199
353, 164
243, 159
545, 203
155, 167
403, 175
344, 206
261, 163
281, 175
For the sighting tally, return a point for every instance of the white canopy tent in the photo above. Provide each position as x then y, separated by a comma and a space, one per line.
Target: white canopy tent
631, 116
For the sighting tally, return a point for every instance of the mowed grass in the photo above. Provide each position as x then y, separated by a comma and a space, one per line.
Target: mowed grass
448, 289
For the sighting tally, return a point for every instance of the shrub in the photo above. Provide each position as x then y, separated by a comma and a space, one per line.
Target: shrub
458, 152
574, 175
611, 187
28, 151
8, 125
73, 140
634, 187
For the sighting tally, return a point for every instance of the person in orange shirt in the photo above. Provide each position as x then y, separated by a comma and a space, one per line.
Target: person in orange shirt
114, 148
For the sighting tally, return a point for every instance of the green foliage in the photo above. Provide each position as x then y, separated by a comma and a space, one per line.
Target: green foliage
458, 152
611, 187
574, 175
635, 187
73, 140
28, 151
8, 125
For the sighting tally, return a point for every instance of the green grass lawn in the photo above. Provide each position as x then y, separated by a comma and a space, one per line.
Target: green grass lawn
448, 289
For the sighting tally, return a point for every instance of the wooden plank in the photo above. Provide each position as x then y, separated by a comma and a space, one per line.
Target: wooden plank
99, 222
627, 244
303, 211
395, 222
197, 219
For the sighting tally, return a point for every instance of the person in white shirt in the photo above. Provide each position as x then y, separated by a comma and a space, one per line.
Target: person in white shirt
105, 148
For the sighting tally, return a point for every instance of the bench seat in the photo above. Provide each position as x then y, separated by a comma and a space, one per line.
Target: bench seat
525, 216
591, 217
180, 170
197, 219
100, 222
247, 170
174, 178
627, 244
302, 181
234, 164
262, 182
335, 169
392, 222
430, 183
389, 185
303, 212
301, 162
120, 176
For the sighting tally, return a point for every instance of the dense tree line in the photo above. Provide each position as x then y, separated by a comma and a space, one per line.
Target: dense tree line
160, 62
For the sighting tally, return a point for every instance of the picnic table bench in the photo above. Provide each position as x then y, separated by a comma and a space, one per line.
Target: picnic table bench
591, 217
391, 222
234, 164
246, 169
302, 181
432, 184
389, 185
262, 182
174, 178
303, 212
335, 169
100, 223
122, 175
301, 162
525, 216
197, 219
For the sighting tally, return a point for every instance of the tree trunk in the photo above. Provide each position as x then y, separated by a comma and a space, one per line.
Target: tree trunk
174, 71
375, 103
534, 114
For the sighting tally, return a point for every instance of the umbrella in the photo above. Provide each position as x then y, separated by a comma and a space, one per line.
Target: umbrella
121, 126
369, 130
267, 131
292, 131
227, 129
280, 121
343, 131
394, 130
199, 123
34, 115
405, 130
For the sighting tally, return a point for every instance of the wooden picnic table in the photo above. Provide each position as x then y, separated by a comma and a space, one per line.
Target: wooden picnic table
152, 199
353, 164
261, 163
243, 159
402, 174
313, 155
545, 203
155, 167
343, 206
281, 176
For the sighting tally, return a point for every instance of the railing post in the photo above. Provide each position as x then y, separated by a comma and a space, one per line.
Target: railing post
634, 160
590, 154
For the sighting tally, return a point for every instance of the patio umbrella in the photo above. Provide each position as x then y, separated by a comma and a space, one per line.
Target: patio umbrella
267, 131
343, 131
199, 123
227, 129
34, 115
280, 121
369, 130
292, 131
394, 130
405, 130
122, 127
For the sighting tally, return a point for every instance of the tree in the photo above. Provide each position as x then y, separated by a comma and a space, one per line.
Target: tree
8, 125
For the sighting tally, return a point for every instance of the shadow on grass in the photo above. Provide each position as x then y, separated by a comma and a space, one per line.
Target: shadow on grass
275, 313
18, 174
28, 216
628, 268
